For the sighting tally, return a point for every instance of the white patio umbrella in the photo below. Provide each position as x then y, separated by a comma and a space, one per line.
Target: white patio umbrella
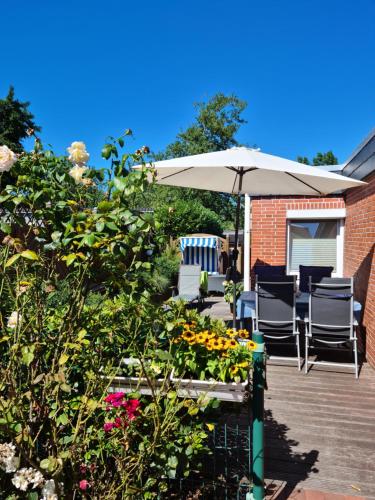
242, 170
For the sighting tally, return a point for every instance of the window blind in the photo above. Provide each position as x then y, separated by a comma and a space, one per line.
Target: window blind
312, 243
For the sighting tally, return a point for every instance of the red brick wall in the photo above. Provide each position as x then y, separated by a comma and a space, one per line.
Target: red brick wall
268, 236
359, 255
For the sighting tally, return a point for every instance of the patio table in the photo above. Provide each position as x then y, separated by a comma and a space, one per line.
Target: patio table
246, 305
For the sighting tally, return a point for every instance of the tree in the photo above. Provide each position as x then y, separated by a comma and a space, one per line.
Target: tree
327, 158
187, 216
214, 129
16, 122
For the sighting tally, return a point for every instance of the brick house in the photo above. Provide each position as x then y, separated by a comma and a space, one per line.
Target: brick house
338, 230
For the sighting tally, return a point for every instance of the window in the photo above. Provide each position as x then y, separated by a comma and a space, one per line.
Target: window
314, 242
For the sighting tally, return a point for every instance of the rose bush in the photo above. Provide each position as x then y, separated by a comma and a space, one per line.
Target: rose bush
75, 300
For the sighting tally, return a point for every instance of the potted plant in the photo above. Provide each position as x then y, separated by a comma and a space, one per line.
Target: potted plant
228, 291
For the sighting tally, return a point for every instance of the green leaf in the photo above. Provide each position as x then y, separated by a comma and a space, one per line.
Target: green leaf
120, 183
99, 226
29, 254
121, 142
66, 388
106, 151
5, 228
70, 258
163, 355
27, 355
63, 359
89, 239
62, 419
12, 260
112, 226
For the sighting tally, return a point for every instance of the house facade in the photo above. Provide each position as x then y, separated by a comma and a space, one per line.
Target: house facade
337, 231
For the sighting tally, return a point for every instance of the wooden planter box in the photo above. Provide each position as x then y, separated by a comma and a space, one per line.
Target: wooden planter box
224, 391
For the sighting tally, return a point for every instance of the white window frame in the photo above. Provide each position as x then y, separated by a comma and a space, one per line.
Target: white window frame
320, 214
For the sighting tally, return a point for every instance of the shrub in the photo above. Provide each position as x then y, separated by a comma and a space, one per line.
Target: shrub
75, 300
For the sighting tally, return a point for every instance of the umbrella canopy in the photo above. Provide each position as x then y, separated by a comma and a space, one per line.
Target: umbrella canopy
242, 170
262, 174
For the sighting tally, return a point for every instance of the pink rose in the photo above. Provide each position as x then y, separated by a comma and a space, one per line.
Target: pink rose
84, 485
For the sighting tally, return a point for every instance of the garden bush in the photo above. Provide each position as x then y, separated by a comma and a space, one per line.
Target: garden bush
75, 300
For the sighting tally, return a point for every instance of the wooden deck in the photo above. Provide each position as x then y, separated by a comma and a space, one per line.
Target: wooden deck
320, 430
320, 427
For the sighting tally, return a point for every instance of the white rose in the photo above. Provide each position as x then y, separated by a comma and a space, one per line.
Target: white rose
77, 172
7, 159
77, 152
14, 319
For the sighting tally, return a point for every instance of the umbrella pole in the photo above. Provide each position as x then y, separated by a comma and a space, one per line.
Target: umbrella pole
235, 249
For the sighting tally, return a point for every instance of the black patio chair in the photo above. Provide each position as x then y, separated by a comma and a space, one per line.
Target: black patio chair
330, 322
316, 272
276, 312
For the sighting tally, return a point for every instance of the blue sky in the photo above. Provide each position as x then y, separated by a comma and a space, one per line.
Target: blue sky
94, 68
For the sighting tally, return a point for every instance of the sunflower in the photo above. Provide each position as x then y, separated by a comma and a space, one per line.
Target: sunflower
251, 345
211, 335
216, 344
192, 341
233, 370
231, 332
188, 335
232, 344
243, 334
223, 342
201, 338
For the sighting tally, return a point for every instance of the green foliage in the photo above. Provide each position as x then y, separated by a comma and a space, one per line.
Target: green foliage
204, 349
229, 290
15, 122
74, 301
327, 158
214, 129
187, 216
166, 267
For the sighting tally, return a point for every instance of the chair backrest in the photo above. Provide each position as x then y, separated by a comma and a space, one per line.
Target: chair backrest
276, 304
331, 307
269, 271
316, 272
189, 280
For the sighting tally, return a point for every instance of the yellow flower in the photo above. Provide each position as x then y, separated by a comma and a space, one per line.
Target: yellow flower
224, 355
216, 344
188, 335
211, 335
232, 344
231, 332
243, 334
251, 345
210, 427
233, 370
244, 364
201, 338
222, 342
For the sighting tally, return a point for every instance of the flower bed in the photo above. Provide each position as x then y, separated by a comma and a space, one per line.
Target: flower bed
215, 362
